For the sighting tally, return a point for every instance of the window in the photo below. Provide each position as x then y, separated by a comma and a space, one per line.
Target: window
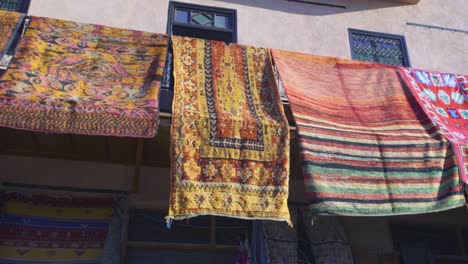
15, 5
202, 22
378, 47
203, 239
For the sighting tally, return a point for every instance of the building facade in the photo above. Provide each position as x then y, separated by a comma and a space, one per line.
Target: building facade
425, 34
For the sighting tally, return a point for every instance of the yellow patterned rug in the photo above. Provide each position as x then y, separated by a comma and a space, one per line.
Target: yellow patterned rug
10, 23
77, 78
230, 136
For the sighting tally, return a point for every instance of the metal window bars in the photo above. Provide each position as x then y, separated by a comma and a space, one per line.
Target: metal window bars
15, 5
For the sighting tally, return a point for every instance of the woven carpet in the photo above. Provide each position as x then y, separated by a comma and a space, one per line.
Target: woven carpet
463, 150
443, 99
230, 137
367, 147
10, 23
69, 77
37, 228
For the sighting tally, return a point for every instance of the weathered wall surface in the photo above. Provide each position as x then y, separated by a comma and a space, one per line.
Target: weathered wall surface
298, 26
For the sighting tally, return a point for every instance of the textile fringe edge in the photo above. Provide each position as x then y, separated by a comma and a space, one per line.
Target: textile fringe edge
75, 122
169, 219
325, 212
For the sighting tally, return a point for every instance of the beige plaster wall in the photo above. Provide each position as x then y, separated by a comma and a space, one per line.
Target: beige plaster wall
300, 27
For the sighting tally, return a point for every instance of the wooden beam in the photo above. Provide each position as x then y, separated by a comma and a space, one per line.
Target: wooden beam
183, 246
139, 157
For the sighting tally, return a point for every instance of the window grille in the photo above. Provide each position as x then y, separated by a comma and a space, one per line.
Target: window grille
378, 47
15, 5
202, 22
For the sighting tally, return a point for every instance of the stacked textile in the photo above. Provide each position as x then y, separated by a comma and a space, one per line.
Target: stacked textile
230, 137
442, 98
10, 23
86, 79
37, 228
367, 146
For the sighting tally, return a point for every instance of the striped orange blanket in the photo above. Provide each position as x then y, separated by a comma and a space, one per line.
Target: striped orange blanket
367, 146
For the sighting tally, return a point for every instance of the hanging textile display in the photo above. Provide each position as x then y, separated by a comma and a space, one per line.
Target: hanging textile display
68, 77
259, 245
10, 23
230, 136
327, 239
463, 84
281, 241
46, 229
442, 98
367, 146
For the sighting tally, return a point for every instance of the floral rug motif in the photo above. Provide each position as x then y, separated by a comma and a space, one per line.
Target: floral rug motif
68, 77
230, 136
444, 98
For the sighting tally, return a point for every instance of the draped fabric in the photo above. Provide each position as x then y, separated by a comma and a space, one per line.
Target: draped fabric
230, 137
327, 240
281, 241
37, 228
463, 84
259, 245
367, 146
69, 77
463, 149
443, 98
10, 23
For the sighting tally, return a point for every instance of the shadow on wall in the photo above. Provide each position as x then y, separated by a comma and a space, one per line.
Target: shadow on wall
318, 7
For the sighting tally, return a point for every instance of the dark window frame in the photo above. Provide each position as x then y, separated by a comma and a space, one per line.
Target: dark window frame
24, 7
232, 13
400, 38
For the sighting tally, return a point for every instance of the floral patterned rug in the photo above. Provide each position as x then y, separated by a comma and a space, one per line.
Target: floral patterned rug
68, 77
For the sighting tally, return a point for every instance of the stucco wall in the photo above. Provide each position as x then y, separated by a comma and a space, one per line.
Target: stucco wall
300, 27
